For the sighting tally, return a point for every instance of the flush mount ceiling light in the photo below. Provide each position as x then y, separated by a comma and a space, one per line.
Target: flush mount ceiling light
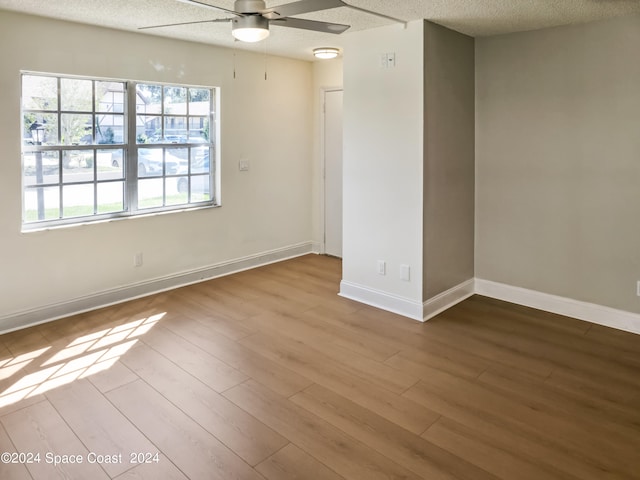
325, 52
251, 28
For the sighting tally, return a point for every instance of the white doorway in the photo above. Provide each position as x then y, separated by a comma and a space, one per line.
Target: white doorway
333, 172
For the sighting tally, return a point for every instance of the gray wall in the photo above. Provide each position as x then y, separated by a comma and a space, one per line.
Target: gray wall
448, 159
558, 161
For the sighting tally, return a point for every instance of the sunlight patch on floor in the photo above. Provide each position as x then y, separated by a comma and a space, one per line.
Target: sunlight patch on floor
81, 358
11, 366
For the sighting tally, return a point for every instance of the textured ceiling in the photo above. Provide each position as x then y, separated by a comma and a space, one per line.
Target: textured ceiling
472, 17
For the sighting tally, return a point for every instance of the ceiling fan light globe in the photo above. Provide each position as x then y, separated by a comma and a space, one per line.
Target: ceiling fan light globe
251, 29
250, 35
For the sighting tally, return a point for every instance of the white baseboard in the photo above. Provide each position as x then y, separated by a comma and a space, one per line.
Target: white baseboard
379, 299
447, 299
47, 313
590, 312
317, 248
404, 306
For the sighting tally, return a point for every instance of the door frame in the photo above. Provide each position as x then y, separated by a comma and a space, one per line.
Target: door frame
323, 163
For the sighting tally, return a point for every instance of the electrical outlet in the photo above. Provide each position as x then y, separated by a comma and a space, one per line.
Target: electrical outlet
137, 259
638, 288
382, 267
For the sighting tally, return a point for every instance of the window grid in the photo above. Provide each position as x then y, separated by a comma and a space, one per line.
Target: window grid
80, 146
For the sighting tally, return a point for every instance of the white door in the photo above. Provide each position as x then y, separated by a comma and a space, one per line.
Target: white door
333, 172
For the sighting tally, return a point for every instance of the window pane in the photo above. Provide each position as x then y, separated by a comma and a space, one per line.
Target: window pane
182, 184
148, 99
40, 168
77, 200
175, 100
176, 195
40, 129
200, 188
76, 95
110, 197
150, 193
176, 161
198, 129
76, 129
41, 203
77, 166
110, 97
109, 129
33, 131
199, 103
200, 160
39, 93
148, 129
150, 162
175, 129
110, 164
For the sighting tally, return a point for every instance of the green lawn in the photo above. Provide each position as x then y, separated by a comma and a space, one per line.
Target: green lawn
87, 210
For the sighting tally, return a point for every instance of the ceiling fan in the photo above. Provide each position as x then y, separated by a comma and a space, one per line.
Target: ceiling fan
251, 19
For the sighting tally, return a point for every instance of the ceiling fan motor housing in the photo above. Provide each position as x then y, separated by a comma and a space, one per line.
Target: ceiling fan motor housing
249, 6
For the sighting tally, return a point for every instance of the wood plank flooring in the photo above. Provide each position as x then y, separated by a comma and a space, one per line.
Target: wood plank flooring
268, 374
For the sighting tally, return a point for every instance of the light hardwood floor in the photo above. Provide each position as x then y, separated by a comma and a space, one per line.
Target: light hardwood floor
268, 374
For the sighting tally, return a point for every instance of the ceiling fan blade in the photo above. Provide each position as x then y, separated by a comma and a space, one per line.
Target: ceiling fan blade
206, 5
186, 23
300, 7
310, 25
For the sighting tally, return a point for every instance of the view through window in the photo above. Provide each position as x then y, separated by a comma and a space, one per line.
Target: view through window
95, 149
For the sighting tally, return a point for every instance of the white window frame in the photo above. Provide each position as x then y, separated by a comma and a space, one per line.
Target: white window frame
199, 183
